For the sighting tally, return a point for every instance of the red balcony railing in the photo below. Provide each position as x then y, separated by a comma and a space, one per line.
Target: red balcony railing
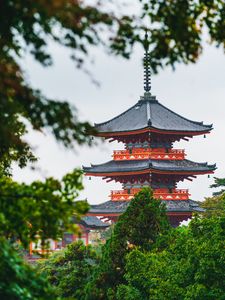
142, 153
162, 194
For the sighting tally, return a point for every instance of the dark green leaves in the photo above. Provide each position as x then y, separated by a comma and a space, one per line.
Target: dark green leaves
176, 30
41, 210
19, 103
70, 269
139, 227
219, 182
190, 267
18, 280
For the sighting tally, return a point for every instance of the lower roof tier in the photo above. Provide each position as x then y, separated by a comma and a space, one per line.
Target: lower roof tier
118, 207
131, 167
93, 222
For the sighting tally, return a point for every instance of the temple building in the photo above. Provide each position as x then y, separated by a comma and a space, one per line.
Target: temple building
148, 131
90, 233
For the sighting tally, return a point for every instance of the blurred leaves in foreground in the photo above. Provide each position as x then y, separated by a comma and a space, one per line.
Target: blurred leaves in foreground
40, 211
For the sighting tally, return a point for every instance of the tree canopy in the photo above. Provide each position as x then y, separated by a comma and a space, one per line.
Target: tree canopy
190, 267
69, 270
18, 279
35, 213
140, 226
219, 183
214, 206
41, 210
145, 258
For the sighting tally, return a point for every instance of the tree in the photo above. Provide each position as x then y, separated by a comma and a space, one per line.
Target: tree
31, 213
177, 28
18, 280
190, 267
140, 226
69, 270
29, 26
40, 210
219, 182
214, 206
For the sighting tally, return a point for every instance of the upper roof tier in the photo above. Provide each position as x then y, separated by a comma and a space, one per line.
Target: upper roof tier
150, 115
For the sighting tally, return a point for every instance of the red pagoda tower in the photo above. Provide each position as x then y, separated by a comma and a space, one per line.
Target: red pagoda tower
148, 130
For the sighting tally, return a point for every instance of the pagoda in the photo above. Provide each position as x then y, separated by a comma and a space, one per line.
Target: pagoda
148, 130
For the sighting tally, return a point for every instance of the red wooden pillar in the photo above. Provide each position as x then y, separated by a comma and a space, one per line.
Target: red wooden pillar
86, 237
31, 249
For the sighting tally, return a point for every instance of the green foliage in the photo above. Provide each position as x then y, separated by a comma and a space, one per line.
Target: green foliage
125, 292
69, 270
140, 226
21, 106
146, 259
41, 210
28, 26
18, 280
176, 30
214, 206
191, 267
219, 182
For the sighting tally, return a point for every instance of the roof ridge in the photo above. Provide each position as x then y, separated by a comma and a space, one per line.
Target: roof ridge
148, 107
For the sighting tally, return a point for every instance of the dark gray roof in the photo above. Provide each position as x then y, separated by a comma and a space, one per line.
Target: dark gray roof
195, 206
93, 222
110, 206
120, 206
140, 165
149, 113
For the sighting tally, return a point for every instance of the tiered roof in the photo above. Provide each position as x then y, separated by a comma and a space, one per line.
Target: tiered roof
150, 115
149, 124
131, 166
93, 222
118, 207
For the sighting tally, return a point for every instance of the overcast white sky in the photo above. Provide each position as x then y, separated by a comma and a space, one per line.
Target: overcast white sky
195, 91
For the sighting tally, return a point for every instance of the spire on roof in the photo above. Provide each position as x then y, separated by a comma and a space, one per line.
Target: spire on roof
147, 72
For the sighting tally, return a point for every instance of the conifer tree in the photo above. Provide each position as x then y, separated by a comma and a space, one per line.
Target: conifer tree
139, 227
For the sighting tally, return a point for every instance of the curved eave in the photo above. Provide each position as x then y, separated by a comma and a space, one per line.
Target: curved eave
105, 213
115, 208
138, 167
149, 171
96, 227
93, 223
210, 170
154, 130
117, 214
